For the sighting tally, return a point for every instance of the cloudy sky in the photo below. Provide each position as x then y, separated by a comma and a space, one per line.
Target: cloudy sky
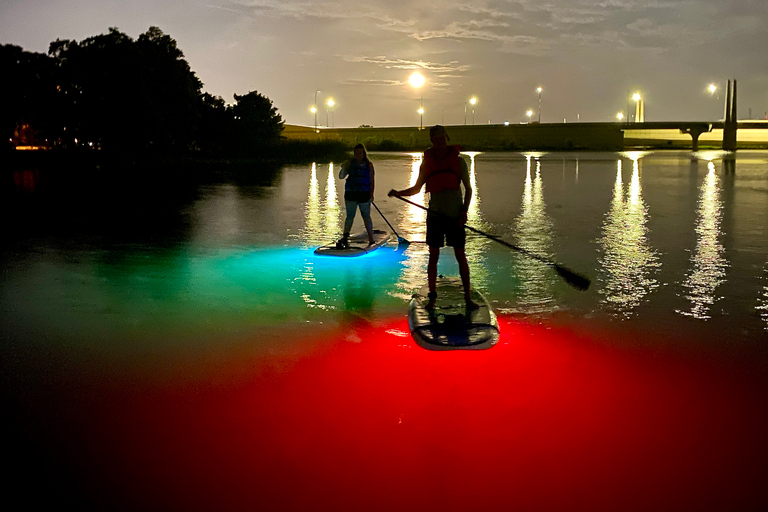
587, 55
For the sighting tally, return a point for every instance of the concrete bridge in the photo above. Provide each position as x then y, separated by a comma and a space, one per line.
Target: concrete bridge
730, 134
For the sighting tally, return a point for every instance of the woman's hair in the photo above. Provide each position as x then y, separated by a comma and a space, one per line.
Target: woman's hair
365, 152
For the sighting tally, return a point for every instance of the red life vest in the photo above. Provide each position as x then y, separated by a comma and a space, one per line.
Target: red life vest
442, 173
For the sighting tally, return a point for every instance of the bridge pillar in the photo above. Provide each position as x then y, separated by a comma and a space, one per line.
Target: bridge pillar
730, 119
694, 133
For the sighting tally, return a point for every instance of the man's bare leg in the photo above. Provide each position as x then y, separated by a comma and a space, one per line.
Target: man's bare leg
461, 259
434, 255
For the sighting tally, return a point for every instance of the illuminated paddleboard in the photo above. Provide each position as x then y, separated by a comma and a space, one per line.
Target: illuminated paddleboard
450, 326
358, 245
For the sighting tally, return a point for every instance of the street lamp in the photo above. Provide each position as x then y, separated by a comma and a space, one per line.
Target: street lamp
421, 118
712, 88
620, 116
473, 102
330, 104
529, 113
314, 110
417, 80
538, 90
639, 108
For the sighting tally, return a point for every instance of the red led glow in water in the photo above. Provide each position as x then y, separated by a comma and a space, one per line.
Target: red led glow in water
545, 420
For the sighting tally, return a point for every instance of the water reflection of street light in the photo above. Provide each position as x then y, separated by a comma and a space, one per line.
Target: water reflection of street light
421, 118
330, 104
538, 90
529, 114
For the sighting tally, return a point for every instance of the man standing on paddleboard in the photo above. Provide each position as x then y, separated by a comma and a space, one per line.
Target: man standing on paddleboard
443, 171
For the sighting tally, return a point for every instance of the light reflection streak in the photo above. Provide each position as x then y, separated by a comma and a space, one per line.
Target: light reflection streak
414, 222
332, 227
476, 244
313, 232
709, 265
533, 229
762, 307
628, 260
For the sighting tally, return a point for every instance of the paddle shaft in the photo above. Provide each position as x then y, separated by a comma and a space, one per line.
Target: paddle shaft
569, 275
388, 224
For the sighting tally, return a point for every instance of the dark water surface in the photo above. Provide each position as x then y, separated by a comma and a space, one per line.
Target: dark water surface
183, 348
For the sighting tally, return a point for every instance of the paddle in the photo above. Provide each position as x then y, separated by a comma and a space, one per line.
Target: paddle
572, 278
400, 239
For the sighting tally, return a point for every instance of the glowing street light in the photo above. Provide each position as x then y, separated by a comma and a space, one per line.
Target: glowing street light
620, 116
330, 103
421, 118
473, 102
417, 80
538, 90
529, 113
639, 108
314, 110
712, 88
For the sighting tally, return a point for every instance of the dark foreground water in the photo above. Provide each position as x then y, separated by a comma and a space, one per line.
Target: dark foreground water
182, 348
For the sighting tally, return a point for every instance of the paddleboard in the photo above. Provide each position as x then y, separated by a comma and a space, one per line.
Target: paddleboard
358, 245
450, 326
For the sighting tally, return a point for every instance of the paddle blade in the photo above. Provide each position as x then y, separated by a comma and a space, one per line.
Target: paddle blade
572, 278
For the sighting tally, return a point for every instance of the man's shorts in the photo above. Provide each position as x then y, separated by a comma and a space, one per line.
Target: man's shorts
442, 230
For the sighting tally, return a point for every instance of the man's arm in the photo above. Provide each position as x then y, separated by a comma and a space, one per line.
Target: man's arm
411, 190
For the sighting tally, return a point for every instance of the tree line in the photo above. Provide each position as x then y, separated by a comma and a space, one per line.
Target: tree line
117, 94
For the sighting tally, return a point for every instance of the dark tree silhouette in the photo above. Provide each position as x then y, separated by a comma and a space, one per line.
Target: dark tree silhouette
121, 95
126, 95
28, 95
257, 123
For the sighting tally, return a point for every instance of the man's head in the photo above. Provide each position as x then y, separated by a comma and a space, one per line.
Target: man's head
438, 135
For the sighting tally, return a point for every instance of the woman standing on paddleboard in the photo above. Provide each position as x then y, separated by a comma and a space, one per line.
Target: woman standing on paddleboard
358, 193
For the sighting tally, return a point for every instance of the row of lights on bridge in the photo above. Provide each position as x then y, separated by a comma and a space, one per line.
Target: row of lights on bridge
417, 80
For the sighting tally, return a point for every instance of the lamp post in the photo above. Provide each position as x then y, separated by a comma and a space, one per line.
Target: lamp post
538, 90
417, 80
421, 118
620, 116
712, 88
314, 109
529, 113
639, 108
473, 102
330, 104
